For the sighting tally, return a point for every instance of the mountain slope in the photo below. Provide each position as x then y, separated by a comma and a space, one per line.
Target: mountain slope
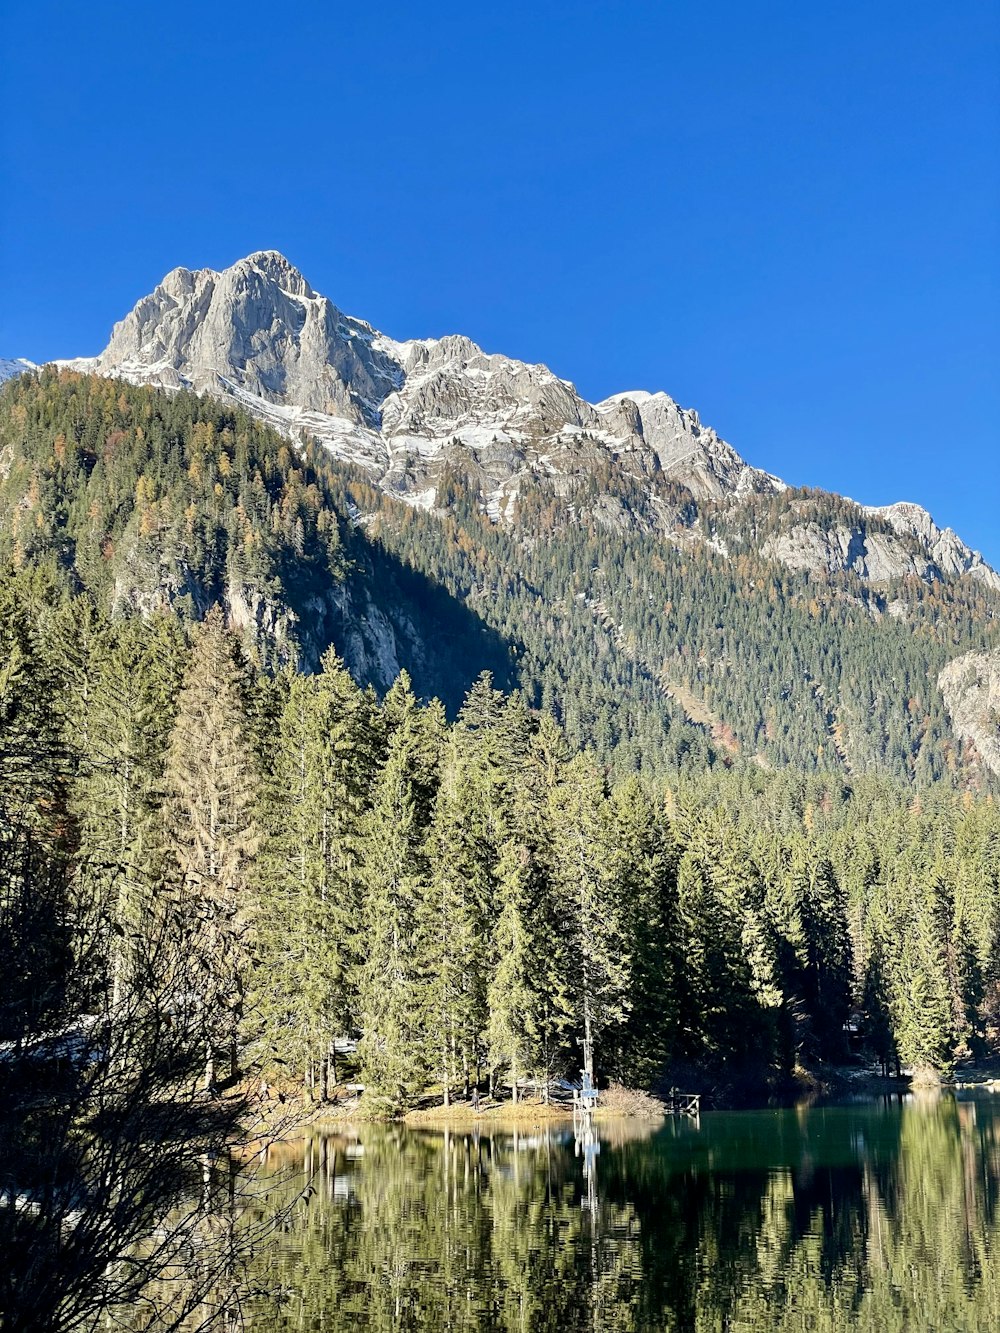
258, 331
409, 411
619, 633
671, 604
156, 503
10, 367
663, 654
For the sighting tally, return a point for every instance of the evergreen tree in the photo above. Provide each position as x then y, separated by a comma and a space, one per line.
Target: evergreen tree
512, 999
587, 872
211, 809
310, 894
35, 762
649, 899
133, 672
394, 881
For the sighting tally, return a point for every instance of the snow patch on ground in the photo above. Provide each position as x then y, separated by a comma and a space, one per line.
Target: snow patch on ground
418, 499
636, 396
85, 365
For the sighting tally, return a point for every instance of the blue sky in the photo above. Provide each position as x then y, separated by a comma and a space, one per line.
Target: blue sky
786, 215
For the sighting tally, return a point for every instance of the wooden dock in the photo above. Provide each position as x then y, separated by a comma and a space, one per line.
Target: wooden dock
682, 1103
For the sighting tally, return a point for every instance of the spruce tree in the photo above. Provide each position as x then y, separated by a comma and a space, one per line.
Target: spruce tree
133, 672
649, 907
587, 872
512, 998
309, 889
394, 882
211, 811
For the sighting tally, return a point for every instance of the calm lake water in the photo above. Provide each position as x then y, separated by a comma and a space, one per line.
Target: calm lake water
876, 1216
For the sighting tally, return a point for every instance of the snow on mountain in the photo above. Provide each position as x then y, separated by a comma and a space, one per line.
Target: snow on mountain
11, 366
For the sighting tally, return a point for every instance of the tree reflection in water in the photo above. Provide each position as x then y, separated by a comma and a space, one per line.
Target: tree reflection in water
872, 1216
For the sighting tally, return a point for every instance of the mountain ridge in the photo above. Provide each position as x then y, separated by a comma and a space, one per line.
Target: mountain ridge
407, 411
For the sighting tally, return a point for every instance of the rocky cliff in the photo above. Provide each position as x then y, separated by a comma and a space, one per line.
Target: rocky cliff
971, 688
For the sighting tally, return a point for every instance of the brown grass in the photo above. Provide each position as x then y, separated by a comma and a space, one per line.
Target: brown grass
619, 1101
528, 1112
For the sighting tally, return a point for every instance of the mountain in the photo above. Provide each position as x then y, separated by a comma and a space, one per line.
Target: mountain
258, 331
971, 688
408, 411
671, 604
151, 503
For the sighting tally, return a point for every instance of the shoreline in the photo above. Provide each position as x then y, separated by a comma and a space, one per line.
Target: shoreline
298, 1118
294, 1119
505, 1115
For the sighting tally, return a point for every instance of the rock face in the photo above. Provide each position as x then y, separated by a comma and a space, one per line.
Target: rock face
685, 450
947, 550
876, 557
257, 327
914, 548
407, 411
971, 688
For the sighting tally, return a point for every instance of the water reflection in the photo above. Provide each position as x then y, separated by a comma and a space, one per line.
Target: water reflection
869, 1216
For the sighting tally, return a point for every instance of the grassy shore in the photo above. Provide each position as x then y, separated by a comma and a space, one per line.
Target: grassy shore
524, 1114
616, 1102
293, 1117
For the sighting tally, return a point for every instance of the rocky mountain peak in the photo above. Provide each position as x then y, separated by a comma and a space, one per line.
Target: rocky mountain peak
259, 332
273, 266
947, 550
257, 329
11, 366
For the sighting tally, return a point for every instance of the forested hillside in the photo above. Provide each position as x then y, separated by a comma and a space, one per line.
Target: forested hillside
242, 849
472, 900
483, 890
149, 501
665, 652
623, 635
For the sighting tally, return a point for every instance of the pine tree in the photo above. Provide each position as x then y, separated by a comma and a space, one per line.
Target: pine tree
514, 1004
649, 906
726, 973
394, 881
587, 873
35, 761
133, 672
309, 894
452, 928
921, 1003
211, 809
483, 758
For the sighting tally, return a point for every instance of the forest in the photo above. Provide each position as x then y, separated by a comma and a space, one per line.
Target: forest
490, 884
663, 651
473, 901
301, 789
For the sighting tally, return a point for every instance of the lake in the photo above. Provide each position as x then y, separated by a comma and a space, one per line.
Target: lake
881, 1215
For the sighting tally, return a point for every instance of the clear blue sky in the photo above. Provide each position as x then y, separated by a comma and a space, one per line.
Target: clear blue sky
785, 214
